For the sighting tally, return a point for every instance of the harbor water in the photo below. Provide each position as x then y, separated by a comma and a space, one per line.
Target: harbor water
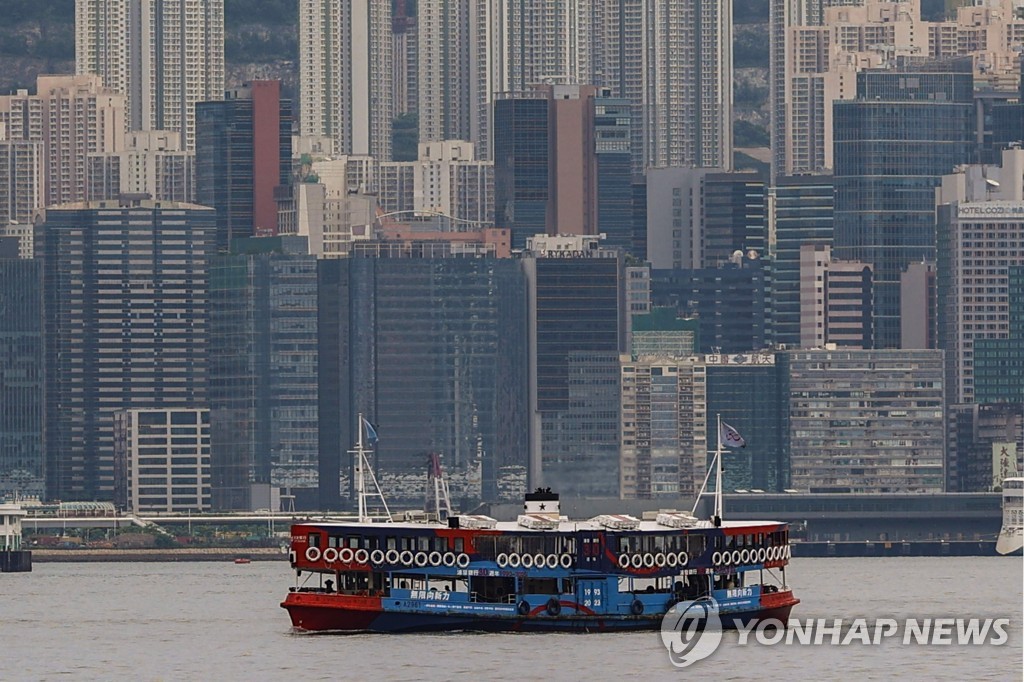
221, 621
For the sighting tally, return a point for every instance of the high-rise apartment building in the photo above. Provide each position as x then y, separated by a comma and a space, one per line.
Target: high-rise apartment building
890, 439
345, 74
244, 154
909, 126
835, 300
21, 178
664, 441
126, 312
818, 46
152, 163
163, 56
73, 117
980, 226
999, 363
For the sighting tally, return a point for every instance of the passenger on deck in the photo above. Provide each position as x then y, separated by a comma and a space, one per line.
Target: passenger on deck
329, 585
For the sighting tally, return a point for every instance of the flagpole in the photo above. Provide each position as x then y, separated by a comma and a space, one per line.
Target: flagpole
360, 483
718, 475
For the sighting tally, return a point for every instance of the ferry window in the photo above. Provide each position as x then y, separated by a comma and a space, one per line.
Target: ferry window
423, 543
695, 544
625, 544
333, 541
569, 545
459, 545
352, 541
313, 539
408, 543
438, 544
392, 542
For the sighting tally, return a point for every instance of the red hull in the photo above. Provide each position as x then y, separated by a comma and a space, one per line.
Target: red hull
320, 612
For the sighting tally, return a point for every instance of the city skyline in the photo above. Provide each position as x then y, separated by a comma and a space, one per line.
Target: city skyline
560, 282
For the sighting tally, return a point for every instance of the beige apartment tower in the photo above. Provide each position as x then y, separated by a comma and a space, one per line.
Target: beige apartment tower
162, 55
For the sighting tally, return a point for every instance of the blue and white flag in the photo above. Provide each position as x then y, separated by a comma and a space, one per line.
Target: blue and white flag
371, 433
730, 437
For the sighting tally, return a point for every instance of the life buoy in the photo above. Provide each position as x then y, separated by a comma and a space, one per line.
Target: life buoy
463, 560
362, 556
761, 555
671, 560
330, 555
377, 557
624, 561
420, 559
637, 607
406, 558
648, 561
554, 607
449, 559
736, 557
660, 560
524, 607
391, 556
539, 560
502, 560
638, 561
789, 552
434, 559
527, 561
745, 556
716, 559
346, 554
552, 561
772, 556
312, 554
566, 561
514, 560
683, 558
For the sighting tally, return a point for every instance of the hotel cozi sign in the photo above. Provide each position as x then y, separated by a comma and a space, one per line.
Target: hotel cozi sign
991, 209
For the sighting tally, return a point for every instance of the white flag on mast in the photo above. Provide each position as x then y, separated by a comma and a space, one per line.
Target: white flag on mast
730, 437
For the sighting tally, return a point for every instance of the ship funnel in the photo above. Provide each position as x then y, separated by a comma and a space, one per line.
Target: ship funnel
542, 502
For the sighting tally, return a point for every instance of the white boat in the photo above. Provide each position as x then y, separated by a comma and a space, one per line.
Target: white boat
1011, 537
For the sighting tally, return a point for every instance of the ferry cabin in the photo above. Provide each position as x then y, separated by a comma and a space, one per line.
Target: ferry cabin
545, 567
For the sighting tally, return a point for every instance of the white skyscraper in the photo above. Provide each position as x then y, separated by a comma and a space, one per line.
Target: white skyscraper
345, 74
162, 55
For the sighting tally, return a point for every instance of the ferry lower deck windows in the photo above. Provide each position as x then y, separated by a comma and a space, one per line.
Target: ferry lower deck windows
313, 539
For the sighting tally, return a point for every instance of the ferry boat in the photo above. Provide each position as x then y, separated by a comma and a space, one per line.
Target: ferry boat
542, 572
1011, 536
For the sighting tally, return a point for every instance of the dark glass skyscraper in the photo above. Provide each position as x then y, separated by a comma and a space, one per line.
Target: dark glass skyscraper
749, 392
243, 152
125, 299
433, 352
578, 331
263, 370
22, 465
803, 215
730, 302
562, 164
907, 127
521, 184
